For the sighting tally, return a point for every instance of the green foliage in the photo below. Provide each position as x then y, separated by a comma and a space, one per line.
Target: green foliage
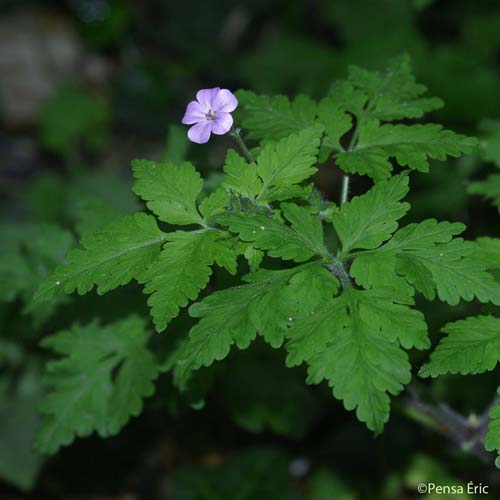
354, 343
99, 382
236, 315
489, 188
368, 220
273, 118
19, 419
410, 145
490, 149
177, 145
334, 285
111, 257
71, 118
431, 261
393, 93
488, 251
490, 143
372, 97
241, 177
29, 254
299, 242
492, 440
182, 271
472, 346
287, 163
170, 191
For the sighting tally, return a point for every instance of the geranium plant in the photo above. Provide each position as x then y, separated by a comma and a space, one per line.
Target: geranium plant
331, 282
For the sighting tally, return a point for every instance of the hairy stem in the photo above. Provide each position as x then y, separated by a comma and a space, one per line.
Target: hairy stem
345, 189
467, 433
344, 196
338, 270
236, 133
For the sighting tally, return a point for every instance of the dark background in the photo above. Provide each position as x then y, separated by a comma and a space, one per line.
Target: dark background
88, 85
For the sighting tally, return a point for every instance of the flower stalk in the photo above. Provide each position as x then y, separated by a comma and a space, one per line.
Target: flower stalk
236, 133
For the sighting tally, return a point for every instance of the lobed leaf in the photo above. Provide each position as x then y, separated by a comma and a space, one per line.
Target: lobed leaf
170, 191
368, 220
410, 145
353, 342
273, 118
182, 270
109, 258
492, 439
393, 93
472, 346
98, 384
300, 242
287, 162
265, 305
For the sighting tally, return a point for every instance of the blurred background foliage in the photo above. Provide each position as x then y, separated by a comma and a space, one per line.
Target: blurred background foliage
88, 85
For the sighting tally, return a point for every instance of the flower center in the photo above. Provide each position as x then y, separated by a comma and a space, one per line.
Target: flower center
210, 115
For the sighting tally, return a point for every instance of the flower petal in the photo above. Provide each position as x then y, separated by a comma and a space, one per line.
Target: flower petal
225, 101
194, 113
206, 96
222, 123
200, 133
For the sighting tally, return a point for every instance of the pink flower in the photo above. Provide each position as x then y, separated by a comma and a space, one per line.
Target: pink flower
211, 113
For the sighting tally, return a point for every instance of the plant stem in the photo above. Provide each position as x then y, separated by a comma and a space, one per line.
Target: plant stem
345, 189
338, 270
236, 133
345, 179
468, 434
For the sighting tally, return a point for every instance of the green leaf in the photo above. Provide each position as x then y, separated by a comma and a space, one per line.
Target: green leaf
490, 141
423, 235
492, 440
273, 118
378, 269
288, 162
253, 256
236, 315
488, 251
240, 176
300, 242
336, 122
176, 146
368, 220
454, 271
472, 346
410, 145
29, 253
214, 204
489, 188
92, 214
19, 420
109, 258
347, 97
99, 382
431, 261
353, 342
393, 93
71, 118
182, 271
169, 190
